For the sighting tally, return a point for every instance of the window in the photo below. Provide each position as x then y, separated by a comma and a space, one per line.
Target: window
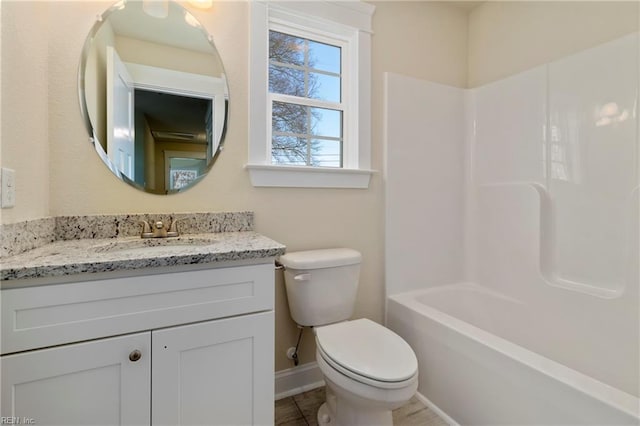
310, 116
306, 101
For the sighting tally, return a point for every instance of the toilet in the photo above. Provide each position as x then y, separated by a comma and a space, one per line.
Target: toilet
368, 369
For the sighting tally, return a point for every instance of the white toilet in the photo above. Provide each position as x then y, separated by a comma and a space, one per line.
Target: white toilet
368, 369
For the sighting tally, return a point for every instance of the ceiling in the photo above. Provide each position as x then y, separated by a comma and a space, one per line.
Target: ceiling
172, 115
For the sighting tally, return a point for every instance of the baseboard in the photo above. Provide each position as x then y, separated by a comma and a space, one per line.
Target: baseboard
433, 407
298, 379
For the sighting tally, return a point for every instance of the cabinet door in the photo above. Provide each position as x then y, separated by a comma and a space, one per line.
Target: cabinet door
214, 373
87, 383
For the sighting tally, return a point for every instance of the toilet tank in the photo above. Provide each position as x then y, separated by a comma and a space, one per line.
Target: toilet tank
321, 284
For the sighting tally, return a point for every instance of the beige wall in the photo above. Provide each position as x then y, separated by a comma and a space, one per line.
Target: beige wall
25, 107
299, 218
44, 139
421, 39
167, 57
1, 96
509, 37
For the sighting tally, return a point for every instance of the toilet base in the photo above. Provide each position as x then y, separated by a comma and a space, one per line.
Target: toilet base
324, 417
338, 412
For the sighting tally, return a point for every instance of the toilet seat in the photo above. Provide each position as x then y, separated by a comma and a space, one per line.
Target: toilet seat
367, 352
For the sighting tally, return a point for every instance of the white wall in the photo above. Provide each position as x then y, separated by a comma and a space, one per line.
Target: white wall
424, 184
552, 199
504, 39
554, 182
424, 41
562, 129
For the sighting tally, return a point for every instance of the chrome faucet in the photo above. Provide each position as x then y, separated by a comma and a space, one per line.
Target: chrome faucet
159, 230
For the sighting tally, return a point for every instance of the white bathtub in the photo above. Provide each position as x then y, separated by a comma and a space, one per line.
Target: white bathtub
486, 358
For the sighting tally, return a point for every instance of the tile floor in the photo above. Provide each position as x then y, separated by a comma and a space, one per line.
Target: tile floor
301, 409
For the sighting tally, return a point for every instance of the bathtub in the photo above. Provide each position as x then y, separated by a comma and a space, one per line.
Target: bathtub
488, 359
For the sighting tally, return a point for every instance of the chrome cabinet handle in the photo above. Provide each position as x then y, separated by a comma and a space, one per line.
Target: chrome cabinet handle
135, 355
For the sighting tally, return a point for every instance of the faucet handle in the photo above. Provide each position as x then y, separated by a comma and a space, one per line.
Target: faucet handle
146, 229
173, 228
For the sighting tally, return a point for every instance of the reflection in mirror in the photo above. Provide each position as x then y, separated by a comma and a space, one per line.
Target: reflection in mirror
154, 95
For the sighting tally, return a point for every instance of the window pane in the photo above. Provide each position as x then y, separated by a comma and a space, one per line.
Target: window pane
326, 122
286, 48
326, 153
325, 87
289, 118
302, 134
286, 81
324, 57
289, 150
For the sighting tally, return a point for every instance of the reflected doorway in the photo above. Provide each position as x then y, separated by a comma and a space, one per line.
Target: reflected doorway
174, 139
183, 168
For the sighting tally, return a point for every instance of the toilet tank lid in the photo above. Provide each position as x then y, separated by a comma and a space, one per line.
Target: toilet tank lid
317, 259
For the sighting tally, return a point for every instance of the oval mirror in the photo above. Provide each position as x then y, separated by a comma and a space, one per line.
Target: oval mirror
154, 95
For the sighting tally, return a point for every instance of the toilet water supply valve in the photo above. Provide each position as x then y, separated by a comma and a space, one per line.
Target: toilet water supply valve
292, 352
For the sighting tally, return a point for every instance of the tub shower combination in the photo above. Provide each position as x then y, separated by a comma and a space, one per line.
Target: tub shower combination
512, 240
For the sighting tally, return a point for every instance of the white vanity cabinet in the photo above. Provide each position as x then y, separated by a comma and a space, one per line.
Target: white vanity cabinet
178, 348
209, 373
90, 383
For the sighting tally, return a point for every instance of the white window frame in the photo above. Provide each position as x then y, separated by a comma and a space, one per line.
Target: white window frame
349, 23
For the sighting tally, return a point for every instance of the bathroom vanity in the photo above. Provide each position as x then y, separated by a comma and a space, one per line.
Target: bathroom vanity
181, 334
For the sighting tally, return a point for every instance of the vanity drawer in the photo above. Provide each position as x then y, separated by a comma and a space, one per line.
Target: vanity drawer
48, 315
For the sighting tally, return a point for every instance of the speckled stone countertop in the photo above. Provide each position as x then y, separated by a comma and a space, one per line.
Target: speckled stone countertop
104, 255
211, 238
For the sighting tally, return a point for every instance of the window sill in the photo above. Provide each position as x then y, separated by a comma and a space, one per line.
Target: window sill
266, 175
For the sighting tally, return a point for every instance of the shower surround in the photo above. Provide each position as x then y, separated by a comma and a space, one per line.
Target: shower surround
512, 240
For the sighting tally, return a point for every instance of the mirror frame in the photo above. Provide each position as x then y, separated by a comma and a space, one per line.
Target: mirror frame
86, 48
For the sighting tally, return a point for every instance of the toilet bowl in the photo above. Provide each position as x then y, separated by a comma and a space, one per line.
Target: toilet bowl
368, 369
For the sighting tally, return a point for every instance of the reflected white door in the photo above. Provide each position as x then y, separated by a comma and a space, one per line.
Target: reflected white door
120, 115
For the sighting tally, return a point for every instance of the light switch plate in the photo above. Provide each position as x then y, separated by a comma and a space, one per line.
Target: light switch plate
8, 188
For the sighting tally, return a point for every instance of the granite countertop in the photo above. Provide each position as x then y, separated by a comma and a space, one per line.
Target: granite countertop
72, 245
105, 255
